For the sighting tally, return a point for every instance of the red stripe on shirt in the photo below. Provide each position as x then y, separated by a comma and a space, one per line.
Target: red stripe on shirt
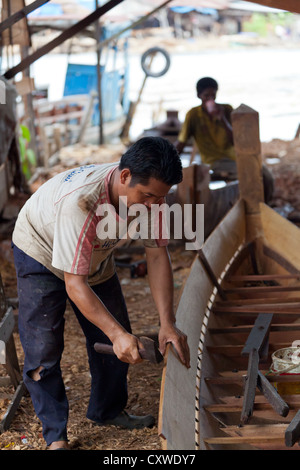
84, 246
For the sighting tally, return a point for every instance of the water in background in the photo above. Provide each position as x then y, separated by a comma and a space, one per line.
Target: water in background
264, 78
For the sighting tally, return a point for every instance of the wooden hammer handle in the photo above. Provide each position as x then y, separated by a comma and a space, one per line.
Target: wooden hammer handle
108, 349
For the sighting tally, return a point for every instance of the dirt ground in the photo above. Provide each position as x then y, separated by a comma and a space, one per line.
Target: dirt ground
282, 157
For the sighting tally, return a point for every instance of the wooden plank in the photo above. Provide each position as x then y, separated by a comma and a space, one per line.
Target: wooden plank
18, 15
281, 240
261, 277
256, 430
239, 379
177, 421
258, 289
251, 440
261, 400
12, 408
4, 185
249, 164
63, 117
11, 359
247, 328
258, 334
292, 433
234, 350
57, 41
244, 255
17, 33
259, 301
12, 364
235, 407
234, 404
25, 86
7, 325
211, 274
258, 308
250, 386
276, 401
288, 5
226, 239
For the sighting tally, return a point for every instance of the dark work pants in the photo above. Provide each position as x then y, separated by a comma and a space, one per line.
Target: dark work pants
42, 303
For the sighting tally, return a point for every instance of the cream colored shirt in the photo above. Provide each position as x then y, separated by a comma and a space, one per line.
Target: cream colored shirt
62, 225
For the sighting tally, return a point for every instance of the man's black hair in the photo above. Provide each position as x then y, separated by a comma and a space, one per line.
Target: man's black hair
152, 157
206, 82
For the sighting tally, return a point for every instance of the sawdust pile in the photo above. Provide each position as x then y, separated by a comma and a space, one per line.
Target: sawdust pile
283, 159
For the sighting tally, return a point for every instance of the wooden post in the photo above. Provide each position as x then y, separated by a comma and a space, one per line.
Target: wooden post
245, 126
248, 151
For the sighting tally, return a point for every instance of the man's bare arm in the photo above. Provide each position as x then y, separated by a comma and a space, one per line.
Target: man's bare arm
161, 285
125, 345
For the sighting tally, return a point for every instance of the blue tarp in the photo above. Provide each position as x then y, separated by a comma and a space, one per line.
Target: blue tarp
82, 79
204, 11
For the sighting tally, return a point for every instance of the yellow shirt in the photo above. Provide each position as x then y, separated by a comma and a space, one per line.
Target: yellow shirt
209, 134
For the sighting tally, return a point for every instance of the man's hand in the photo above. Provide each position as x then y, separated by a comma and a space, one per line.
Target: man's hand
215, 109
126, 346
161, 283
171, 334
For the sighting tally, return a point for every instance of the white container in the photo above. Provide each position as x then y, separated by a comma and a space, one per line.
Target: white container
286, 360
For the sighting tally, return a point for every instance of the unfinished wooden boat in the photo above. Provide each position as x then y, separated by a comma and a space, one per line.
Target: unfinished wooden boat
240, 304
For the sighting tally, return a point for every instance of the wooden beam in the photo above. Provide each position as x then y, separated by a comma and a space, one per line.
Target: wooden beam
268, 251
250, 386
292, 433
261, 277
19, 15
15, 34
239, 379
12, 408
273, 397
287, 5
258, 334
211, 274
248, 151
255, 289
259, 308
234, 350
234, 404
245, 439
247, 328
67, 34
259, 301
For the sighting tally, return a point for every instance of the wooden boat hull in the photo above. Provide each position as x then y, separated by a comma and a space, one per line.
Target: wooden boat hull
200, 408
248, 268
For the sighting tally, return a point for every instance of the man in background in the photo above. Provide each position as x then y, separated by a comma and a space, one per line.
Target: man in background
209, 124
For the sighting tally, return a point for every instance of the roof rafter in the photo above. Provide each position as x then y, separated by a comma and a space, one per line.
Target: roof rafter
289, 5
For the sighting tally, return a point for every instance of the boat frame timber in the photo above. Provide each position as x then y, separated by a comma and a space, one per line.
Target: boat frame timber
239, 304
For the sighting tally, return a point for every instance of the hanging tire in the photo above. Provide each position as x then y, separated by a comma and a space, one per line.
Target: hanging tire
153, 51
